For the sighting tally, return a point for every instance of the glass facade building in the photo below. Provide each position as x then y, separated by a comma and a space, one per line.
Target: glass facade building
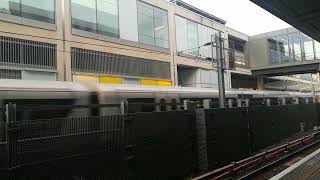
293, 47
39, 10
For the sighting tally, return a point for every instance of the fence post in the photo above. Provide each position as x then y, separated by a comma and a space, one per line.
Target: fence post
11, 134
201, 134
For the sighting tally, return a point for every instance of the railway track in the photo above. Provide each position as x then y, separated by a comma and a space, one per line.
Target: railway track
253, 167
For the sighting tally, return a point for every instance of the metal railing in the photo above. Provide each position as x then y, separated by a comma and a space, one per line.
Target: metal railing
21, 53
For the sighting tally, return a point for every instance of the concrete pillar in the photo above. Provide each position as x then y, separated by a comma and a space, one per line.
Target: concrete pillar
185, 104
230, 103
206, 103
296, 100
268, 102
260, 83
239, 101
157, 107
247, 102
283, 101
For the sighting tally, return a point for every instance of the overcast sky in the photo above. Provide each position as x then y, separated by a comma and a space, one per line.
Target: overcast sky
241, 15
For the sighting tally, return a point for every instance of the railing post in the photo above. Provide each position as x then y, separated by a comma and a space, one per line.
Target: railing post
185, 104
11, 134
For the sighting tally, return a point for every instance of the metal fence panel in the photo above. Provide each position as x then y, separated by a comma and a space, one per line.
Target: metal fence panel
163, 144
227, 136
87, 148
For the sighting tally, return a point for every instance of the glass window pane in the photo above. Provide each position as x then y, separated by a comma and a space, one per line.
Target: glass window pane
40, 10
10, 7
108, 17
317, 49
308, 47
145, 23
283, 45
274, 53
210, 33
84, 21
181, 33
203, 39
193, 42
295, 46
161, 30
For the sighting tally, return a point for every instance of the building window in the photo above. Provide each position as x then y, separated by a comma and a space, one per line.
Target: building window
107, 17
181, 34
317, 49
307, 43
191, 36
153, 25
193, 41
273, 47
283, 48
11, 7
295, 46
101, 16
40, 10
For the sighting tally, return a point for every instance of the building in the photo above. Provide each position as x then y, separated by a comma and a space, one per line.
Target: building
143, 42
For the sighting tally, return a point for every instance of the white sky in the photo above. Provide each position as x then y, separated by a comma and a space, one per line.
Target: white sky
241, 15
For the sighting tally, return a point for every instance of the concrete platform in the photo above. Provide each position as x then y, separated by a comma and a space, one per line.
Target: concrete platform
307, 168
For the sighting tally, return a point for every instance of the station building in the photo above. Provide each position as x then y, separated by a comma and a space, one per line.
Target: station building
142, 42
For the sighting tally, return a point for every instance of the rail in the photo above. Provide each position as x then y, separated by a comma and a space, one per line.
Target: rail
263, 160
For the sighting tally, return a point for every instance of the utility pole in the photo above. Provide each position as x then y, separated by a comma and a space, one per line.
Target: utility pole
220, 67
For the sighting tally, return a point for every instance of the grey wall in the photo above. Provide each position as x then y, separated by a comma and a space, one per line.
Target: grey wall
36, 75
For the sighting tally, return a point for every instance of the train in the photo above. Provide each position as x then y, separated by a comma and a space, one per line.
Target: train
130, 98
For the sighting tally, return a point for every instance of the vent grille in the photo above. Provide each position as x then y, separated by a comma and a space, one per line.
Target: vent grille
10, 74
27, 54
89, 61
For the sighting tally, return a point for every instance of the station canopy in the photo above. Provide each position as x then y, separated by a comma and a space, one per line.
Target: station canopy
301, 14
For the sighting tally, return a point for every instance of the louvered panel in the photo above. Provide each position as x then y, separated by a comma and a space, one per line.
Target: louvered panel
30, 54
89, 61
10, 74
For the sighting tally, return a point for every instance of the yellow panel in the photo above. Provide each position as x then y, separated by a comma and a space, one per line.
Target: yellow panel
110, 80
149, 82
164, 83
87, 78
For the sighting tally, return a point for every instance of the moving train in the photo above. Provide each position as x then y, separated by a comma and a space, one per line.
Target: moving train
28, 95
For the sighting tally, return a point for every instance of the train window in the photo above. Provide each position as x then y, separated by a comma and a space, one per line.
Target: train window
163, 106
174, 105
33, 114
141, 105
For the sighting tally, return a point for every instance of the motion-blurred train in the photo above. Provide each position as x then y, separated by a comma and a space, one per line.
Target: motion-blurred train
26, 94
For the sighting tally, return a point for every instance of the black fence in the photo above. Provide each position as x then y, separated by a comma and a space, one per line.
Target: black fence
155, 145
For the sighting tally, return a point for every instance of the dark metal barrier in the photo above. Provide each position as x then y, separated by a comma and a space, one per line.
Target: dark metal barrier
155, 145
162, 144
87, 148
227, 136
